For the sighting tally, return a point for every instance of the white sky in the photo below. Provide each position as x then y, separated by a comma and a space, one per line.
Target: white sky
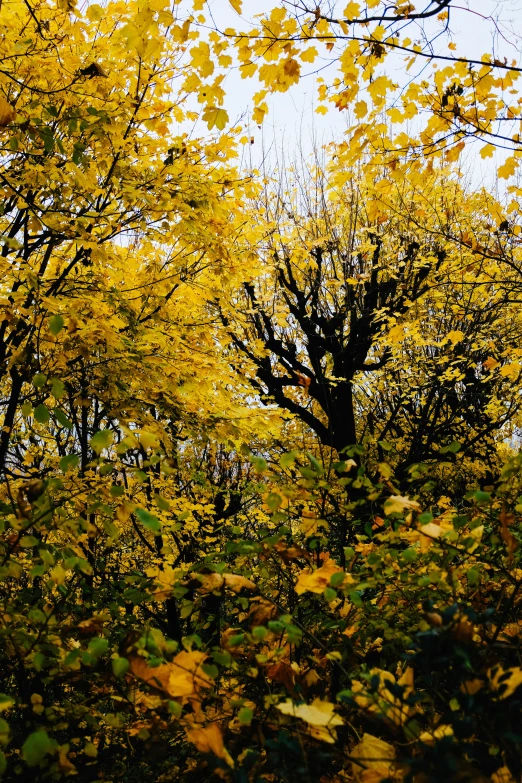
476, 27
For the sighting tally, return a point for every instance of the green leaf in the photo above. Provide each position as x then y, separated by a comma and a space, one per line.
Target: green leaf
117, 491
236, 640
210, 670
62, 419
453, 448
3, 763
259, 633
161, 503
273, 501
223, 658
98, 646
245, 716
55, 324
101, 440
41, 414
337, 579
39, 380
259, 464
287, 460
57, 388
385, 446
120, 666
70, 461
28, 541
27, 409
36, 747
148, 520
316, 465
175, 708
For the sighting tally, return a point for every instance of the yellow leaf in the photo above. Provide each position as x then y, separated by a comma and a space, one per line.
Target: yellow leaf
319, 715
7, 113
352, 11
487, 151
215, 117
397, 504
309, 55
236, 5
209, 739
58, 574
508, 168
361, 109
455, 336
164, 579
316, 581
181, 679
429, 737
376, 756
310, 524
505, 681
236, 582
511, 370
502, 775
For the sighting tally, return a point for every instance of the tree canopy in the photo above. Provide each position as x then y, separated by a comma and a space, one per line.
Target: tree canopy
261, 485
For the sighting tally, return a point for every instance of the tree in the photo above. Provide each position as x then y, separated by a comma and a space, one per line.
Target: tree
192, 585
369, 319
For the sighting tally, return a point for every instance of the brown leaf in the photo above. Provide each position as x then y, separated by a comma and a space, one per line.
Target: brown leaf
507, 537
236, 582
283, 673
261, 610
292, 68
209, 739
7, 113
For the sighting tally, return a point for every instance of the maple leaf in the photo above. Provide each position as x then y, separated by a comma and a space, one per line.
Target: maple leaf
316, 581
181, 679
209, 739
215, 118
398, 504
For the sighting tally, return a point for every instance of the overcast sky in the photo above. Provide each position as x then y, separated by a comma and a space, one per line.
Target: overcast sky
476, 27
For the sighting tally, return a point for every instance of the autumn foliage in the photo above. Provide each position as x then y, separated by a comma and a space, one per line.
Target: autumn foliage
261, 483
